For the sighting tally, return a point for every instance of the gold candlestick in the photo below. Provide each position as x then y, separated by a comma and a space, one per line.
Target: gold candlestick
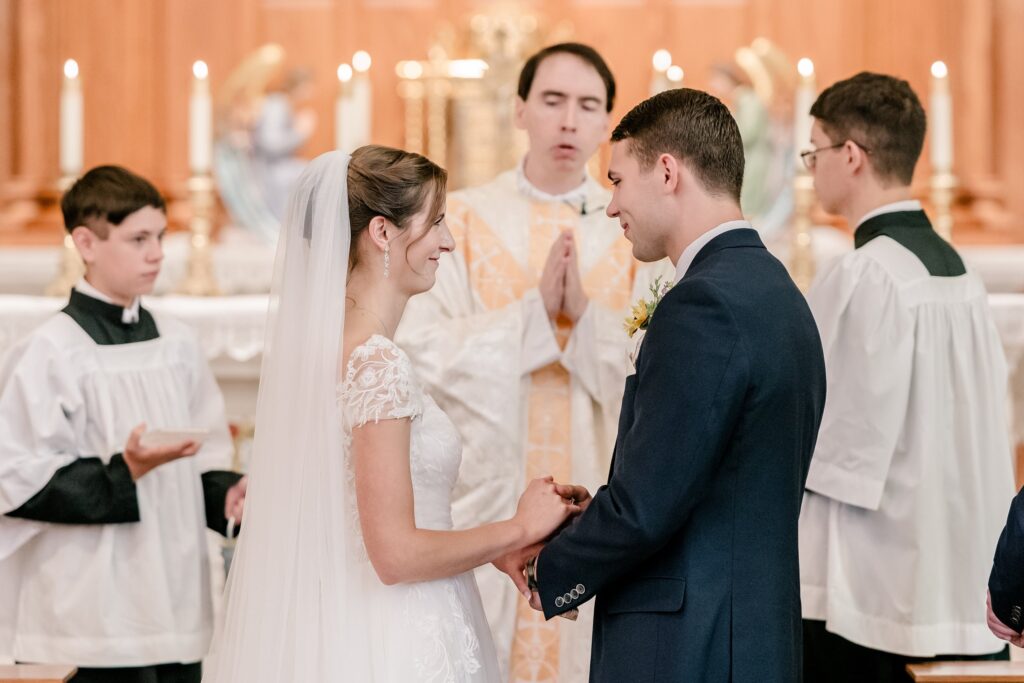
943, 189
438, 90
71, 270
71, 267
412, 92
801, 258
200, 280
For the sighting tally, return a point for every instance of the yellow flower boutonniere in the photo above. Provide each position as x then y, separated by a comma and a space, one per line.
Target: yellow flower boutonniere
640, 317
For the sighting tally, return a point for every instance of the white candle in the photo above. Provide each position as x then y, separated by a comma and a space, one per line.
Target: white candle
941, 116
200, 120
362, 99
806, 93
71, 133
661, 61
343, 110
461, 68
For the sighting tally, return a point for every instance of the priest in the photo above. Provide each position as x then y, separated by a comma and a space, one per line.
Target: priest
911, 475
103, 560
521, 340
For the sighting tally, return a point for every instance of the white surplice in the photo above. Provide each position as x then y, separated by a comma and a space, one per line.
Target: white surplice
911, 476
104, 595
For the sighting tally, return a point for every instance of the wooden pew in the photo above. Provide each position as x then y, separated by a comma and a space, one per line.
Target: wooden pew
36, 673
967, 672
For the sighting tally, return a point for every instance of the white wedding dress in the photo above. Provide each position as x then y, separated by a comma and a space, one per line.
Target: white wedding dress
303, 601
428, 631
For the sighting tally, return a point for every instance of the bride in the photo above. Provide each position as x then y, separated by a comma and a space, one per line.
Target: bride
348, 568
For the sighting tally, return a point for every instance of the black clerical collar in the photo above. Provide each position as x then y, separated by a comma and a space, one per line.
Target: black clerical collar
913, 231
102, 321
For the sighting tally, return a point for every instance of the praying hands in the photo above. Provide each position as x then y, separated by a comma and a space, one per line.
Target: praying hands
561, 287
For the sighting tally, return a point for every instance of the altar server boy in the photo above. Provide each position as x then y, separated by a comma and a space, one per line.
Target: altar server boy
103, 560
911, 475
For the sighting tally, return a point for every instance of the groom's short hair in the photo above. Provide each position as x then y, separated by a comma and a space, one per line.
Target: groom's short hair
695, 128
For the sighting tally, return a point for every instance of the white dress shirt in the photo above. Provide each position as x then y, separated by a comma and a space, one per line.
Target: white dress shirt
131, 311
894, 207
690, 253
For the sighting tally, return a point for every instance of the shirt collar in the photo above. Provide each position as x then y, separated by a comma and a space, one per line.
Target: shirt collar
129, 315
903, 205
690, 253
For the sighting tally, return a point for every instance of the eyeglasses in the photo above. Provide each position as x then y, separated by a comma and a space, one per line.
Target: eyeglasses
810, 157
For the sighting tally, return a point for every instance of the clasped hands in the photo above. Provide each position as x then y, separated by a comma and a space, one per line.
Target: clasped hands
999, 629
543, 509
561, 287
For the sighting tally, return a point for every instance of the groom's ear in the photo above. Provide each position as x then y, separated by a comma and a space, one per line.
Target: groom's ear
669, 169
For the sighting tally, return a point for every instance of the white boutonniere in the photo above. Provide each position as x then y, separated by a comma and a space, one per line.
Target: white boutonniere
643, 310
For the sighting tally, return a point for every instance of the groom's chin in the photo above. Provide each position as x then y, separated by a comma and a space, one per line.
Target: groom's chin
645, 255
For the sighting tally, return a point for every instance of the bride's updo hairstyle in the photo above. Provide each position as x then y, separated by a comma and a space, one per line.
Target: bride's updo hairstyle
394, 184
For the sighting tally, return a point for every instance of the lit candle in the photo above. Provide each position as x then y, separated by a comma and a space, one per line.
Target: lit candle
464, 68
362, 98
71, 133
200, 128
675, 76
941, 116
661, 62
343, 110
806, 93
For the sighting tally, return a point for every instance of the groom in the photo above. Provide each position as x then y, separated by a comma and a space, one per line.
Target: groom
691, 547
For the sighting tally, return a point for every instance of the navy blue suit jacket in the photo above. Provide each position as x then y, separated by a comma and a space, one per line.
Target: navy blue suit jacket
1006, 582
691, 547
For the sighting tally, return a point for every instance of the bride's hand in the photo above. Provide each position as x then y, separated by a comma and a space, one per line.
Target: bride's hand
541, 510
514, 565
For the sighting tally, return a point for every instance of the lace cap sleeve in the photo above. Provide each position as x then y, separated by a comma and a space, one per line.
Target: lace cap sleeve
379, 384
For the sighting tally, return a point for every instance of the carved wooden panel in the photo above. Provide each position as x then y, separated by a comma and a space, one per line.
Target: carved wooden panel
136, 56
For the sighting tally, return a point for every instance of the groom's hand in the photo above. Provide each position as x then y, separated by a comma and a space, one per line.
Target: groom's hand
577, 494
999, 629
514, 564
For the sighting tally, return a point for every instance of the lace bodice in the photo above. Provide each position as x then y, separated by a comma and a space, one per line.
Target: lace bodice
446, 635
379, 384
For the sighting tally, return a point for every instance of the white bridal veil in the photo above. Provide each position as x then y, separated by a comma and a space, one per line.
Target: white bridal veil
293, 607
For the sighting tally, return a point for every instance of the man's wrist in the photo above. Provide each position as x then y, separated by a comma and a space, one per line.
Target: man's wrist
135, 470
